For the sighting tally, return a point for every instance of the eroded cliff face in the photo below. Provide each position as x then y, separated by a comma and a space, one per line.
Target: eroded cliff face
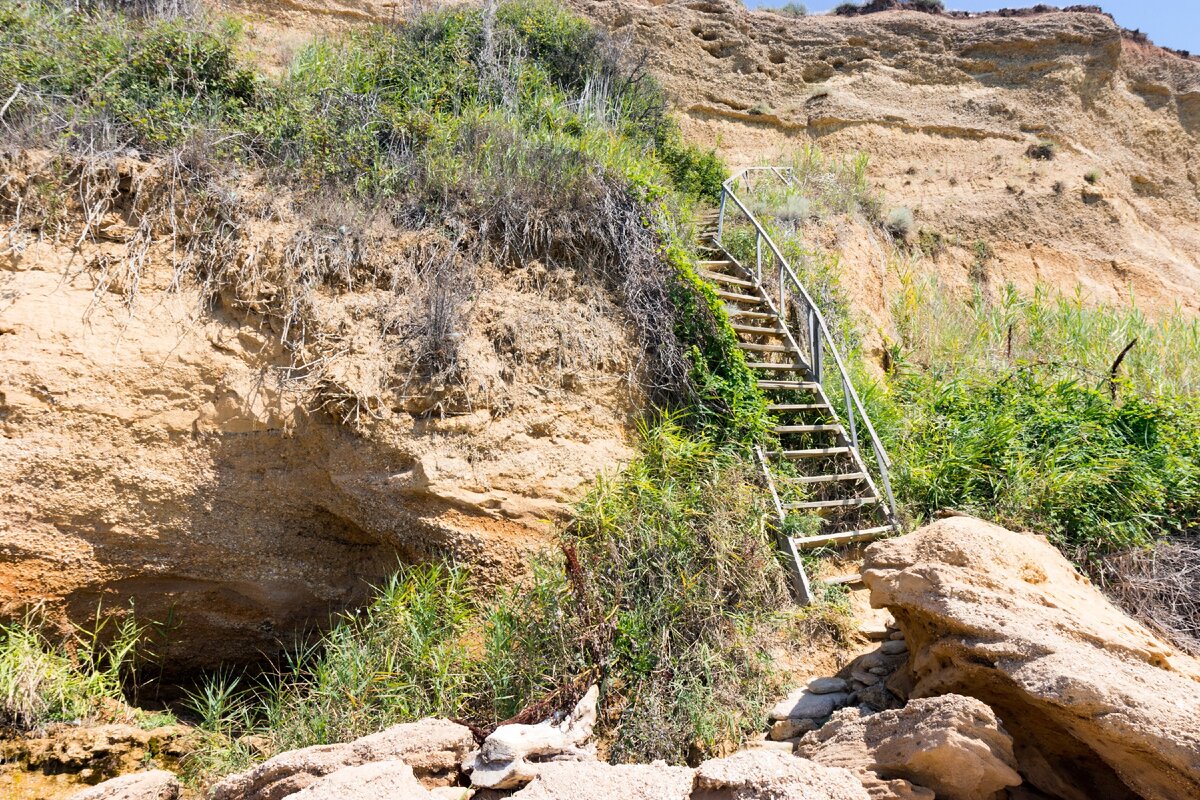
157, 449
947, 108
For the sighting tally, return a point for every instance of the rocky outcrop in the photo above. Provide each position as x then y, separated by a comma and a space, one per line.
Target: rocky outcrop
949, 747
64, 757
1098, 707
432, 749
512, 755
153, 785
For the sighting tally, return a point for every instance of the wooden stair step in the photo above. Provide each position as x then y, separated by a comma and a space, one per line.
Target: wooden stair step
798, 386
769, 365
834, 428
845, 537
766, 348
720, 277
750, 330
734, 297
849, 502
834, 478
812, 452
852, 579
797, 407
747, 314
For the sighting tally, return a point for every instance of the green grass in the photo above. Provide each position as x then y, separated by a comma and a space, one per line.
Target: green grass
80, 676
1010, 409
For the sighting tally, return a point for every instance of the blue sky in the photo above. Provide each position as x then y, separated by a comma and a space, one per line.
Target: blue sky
1171, 23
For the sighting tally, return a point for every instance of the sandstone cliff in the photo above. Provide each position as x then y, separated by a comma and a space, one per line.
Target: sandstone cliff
160, 450
947, 109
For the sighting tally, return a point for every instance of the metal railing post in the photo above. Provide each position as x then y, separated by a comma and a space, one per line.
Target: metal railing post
758, 256
817, 344
850, 411
721, 215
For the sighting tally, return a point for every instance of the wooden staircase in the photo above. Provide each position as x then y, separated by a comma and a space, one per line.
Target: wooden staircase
817, 468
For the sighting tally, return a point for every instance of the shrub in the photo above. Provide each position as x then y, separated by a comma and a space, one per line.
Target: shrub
1092, 177
1042, 151
1160, 585
1014, 409
792, 9
899, 222
928, 6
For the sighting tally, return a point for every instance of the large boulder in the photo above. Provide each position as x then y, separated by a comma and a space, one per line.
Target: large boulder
596, 780
433, 748
1098, 707
770, 775
156, 784
951, 747
377, 780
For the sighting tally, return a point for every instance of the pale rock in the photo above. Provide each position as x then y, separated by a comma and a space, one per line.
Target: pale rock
786, 729
951, 746
780, 746
765, 775
827, 686
1097, 705
802, 703
865, 678
893, 647
376, 780
157, 784
513, 754
596, 780
452, 793
433, 748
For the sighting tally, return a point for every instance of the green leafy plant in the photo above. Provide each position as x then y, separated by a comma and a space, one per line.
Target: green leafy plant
81, 676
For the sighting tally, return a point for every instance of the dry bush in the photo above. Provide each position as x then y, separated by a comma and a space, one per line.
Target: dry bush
1160, 585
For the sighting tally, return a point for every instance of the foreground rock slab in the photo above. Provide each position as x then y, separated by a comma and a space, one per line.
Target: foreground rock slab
1098, 707
378, 780
770, 775
596, 780
155, 784
432, 748
950, 747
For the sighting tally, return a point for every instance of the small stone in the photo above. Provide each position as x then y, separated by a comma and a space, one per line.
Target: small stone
865, 678
872, 659
804, 704
827, 686
856, 685
873, 631
790, 729
881, 671
896, 635
779, 747
894, 647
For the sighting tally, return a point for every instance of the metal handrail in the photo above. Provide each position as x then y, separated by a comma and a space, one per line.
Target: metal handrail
819, 336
